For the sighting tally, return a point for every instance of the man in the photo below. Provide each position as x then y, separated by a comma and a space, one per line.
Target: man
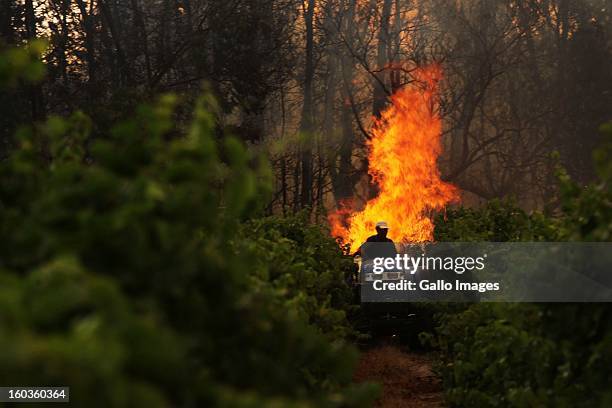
381, 236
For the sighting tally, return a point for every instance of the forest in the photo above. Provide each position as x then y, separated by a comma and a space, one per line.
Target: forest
183, 183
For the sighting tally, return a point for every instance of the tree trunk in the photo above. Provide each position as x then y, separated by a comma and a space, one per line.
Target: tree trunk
36, 94
115, 34
90, 51
7, 34
306, 127
342, 171
382, 59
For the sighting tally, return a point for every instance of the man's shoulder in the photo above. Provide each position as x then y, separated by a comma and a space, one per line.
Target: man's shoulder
375, 238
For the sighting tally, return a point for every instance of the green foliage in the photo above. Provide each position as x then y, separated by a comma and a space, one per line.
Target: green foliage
305, 264
497, 221
588, 209
524, 355
127, 272
64, 325
22, 63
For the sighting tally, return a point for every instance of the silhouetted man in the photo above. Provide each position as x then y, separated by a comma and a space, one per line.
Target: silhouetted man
381, 236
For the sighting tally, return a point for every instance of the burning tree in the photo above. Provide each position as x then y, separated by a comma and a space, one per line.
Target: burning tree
403, 153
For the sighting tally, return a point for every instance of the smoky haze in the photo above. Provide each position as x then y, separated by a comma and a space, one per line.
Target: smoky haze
302, 82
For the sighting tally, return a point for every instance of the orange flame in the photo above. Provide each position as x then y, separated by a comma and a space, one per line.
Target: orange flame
403, 153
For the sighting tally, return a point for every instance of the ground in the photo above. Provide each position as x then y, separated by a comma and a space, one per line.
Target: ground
406, 377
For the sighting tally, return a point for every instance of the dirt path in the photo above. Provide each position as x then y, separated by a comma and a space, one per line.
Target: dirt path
407, 378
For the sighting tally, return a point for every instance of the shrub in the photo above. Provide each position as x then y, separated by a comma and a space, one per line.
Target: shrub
123, 273
306, 265
496, 221
531, 354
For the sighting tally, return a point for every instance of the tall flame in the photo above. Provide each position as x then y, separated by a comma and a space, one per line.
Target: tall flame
403, 153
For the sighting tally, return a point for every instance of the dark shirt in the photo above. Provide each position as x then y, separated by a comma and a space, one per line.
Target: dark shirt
376, 238
385, 250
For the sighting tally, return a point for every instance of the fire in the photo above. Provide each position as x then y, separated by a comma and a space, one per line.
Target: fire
403, 153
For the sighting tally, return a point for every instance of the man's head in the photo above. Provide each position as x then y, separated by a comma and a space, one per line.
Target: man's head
382, 228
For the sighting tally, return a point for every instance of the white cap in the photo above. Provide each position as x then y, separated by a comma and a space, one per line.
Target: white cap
382, 224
